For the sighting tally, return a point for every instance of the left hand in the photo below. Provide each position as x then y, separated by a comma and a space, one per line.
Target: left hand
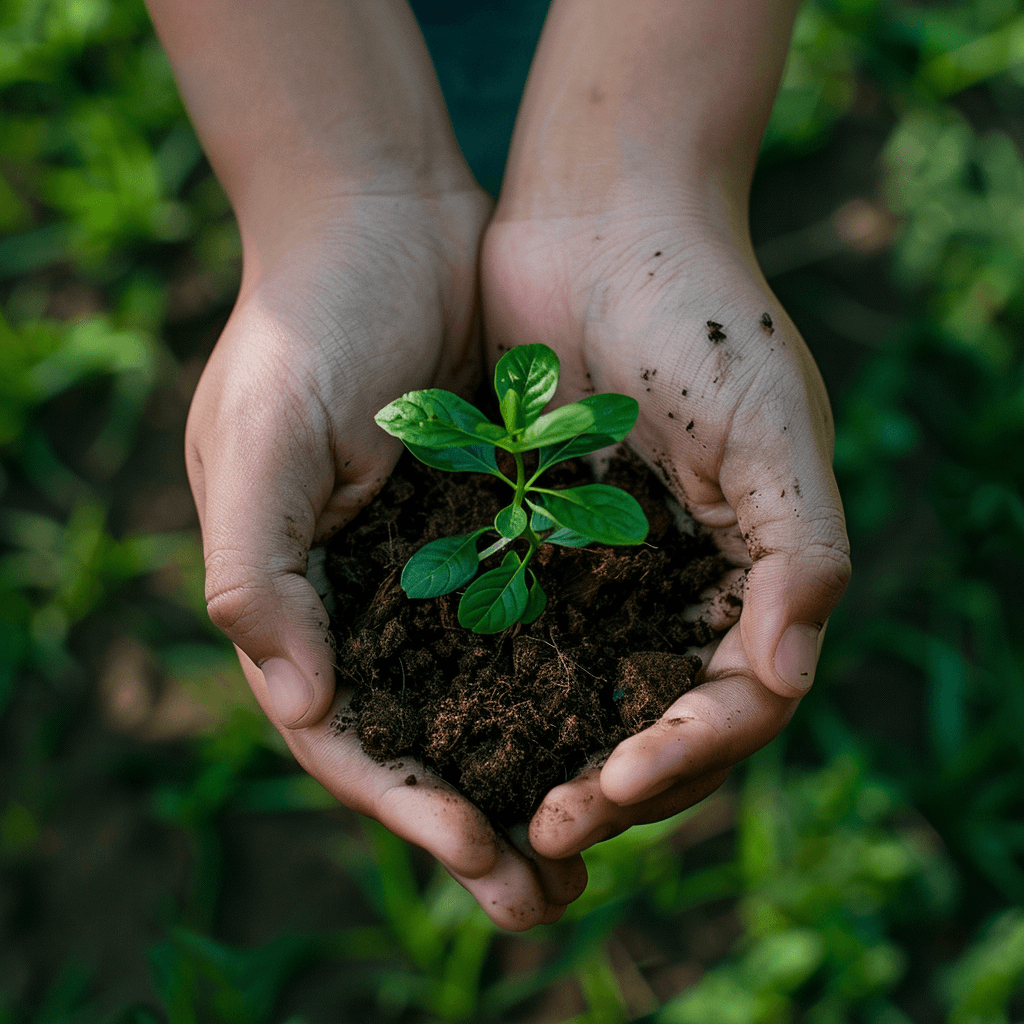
740, 429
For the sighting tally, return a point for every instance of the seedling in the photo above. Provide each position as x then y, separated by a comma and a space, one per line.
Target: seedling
446, 432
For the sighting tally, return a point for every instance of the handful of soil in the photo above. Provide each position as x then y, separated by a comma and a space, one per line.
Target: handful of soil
505, 718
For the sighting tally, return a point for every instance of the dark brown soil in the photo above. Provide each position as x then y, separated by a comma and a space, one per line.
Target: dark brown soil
505, 718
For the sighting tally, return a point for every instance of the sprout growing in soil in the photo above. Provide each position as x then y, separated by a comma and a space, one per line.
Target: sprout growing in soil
446, 432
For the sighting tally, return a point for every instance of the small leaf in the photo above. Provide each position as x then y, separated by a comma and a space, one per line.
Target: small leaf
437, 419
511, 521
614, 417
607, 514
563, 537
476, 458
532, 372
568, 538
536, 602
495, 600
512, 411
559, 425
581, 444
441, 566
539, 521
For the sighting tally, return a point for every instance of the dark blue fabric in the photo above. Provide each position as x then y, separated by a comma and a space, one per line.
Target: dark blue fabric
482, 51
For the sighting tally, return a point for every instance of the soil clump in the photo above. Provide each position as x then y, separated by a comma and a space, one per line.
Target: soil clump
505, 718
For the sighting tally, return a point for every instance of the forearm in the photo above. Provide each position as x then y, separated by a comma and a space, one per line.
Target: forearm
624, 99
297, 103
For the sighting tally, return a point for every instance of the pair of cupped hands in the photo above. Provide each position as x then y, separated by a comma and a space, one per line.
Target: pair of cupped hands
368, 296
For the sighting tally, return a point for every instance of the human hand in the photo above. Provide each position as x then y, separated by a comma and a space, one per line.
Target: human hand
360, 226
739, 428
368, 300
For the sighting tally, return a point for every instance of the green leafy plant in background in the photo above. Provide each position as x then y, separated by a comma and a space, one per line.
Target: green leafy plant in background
446, 432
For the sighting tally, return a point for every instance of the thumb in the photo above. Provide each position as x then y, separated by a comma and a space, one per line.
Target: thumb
791, 518
256, 540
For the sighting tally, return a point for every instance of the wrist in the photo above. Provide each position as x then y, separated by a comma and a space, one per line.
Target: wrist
282, 203
626, 100
709, 203
330, 237
300, 104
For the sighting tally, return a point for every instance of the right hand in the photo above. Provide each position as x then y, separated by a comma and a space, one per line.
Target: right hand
365, 299
739, 428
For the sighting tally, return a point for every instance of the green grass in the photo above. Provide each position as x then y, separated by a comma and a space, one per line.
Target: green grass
868, 866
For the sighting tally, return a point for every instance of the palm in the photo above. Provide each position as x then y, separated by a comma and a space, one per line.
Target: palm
739, 429
283, 451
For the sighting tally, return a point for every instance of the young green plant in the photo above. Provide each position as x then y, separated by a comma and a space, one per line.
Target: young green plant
447, 432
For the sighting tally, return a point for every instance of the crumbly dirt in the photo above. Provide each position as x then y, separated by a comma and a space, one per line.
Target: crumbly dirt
504, 718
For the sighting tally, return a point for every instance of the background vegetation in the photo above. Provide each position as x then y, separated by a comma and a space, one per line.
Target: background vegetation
160, 858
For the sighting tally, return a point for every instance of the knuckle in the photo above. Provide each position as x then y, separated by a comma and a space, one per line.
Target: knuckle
234, 611
232, 595
833, 567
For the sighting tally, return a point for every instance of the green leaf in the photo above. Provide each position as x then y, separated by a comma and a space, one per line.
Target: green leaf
441, 566
559, 425
476, 458
614, 417
511, 521
607, 514
568, 538
495, 600
531, 371
512, 411
538, 521
437, 419
581, 444
536, 602
563, 537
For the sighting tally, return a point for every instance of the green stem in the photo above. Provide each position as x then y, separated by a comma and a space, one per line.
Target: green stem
521, 483
520, 478
502, 542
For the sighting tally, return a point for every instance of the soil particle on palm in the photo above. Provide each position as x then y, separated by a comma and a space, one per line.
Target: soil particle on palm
505, 718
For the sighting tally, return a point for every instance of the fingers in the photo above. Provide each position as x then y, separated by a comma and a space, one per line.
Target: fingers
515, 892
578, 814
790, 517
258, 595
256, 496
563, 879
713, 726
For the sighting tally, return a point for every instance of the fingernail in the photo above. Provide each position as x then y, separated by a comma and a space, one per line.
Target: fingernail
289, 689
797, 655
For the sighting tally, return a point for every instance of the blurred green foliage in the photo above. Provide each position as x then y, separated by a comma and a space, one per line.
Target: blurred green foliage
868, 866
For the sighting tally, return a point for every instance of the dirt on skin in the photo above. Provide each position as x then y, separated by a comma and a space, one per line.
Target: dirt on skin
505, 718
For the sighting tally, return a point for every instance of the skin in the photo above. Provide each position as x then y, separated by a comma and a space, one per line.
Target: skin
620, 232
370, 262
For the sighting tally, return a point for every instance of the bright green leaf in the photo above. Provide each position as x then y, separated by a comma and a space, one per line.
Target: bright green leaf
559, 425
511, 521
437, 419
614, 417
476, 458
512, 411
441, 566
563, 537
607, 514
531, 371
581, 444
495, 600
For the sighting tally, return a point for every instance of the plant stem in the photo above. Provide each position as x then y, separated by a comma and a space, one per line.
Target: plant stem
528, 533
501, 542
